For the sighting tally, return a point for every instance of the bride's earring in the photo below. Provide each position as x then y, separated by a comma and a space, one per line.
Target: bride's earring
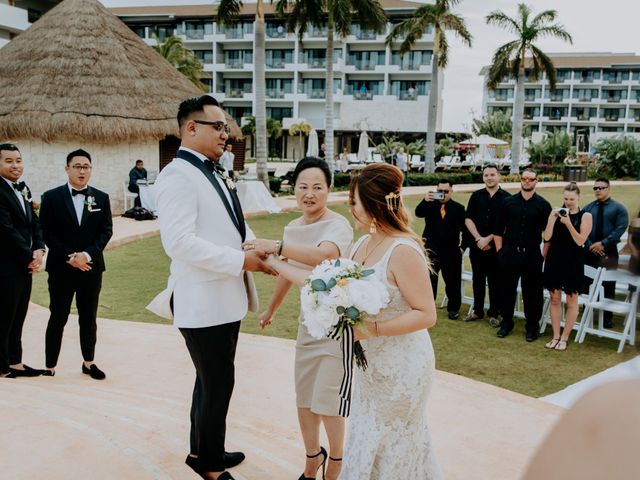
373, 228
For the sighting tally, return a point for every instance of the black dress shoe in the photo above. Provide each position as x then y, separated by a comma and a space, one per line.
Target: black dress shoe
49, 373
607, 323
7, 375
27, 372
531, 336
503, 332
231, 459
453, 315
194, 464
94, 372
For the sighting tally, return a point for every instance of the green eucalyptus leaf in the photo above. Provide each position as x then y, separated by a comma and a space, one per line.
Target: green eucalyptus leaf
367, 272
331, 283
352, 312
318, 285
340, 310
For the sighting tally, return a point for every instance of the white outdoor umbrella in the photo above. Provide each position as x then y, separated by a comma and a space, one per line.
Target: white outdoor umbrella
363, 148
312, 148
484, 140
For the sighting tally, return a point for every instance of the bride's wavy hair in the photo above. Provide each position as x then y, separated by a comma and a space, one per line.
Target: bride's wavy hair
378, 186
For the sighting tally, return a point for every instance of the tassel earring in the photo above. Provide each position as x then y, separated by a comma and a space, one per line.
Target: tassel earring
373, 228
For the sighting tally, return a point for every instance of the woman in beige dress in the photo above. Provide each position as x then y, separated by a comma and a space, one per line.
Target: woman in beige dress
317, 235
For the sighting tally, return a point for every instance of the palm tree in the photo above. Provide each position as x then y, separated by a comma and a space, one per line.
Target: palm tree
511, 58
340, 14
300, 129
496, 125
228, 11
182, 58
439, 16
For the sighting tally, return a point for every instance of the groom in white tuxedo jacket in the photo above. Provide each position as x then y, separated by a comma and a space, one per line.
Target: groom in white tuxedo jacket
209, 288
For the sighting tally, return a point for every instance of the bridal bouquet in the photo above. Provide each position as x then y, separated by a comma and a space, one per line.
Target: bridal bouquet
338, 295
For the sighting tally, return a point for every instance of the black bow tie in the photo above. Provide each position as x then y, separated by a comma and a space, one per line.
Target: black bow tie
214, 166
84, 191
20, 186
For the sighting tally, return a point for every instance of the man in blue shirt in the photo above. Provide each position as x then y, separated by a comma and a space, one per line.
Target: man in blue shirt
610, 220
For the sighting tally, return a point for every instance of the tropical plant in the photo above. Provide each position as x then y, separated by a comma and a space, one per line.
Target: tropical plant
513, 57
417, 147
439, 16
300, 129
621, 155
388, 146
552, 150
496, 125
339, 14
182, 58
228, 11
445, 148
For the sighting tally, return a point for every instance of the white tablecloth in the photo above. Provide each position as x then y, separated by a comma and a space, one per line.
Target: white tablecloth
147, 197
254, 197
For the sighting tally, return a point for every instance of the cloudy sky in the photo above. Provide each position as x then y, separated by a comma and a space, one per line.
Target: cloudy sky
596, 26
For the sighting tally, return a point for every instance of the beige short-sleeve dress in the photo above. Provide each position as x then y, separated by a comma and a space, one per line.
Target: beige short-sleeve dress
318, 364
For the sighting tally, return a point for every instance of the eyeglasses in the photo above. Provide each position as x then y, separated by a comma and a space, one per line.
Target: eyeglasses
218, 126
528, 179
443, 191
599, 188
80, 168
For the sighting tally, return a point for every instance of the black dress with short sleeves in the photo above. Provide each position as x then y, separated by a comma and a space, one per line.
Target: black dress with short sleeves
564, 265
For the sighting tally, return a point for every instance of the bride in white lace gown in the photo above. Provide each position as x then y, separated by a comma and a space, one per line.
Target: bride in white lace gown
388, 435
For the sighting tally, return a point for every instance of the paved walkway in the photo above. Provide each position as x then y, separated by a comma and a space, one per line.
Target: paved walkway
134, 424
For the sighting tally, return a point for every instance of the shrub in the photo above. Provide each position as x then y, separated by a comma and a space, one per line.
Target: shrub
274, 184
621, 155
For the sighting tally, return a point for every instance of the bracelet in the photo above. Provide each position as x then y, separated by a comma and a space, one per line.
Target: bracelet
279, 245
478, 239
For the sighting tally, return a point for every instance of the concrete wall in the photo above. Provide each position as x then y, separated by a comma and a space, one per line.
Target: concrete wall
44, 165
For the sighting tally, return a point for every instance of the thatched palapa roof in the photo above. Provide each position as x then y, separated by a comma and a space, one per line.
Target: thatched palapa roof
79, 73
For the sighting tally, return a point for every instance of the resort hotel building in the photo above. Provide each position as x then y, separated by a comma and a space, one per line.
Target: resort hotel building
597, 95
17, 16
375, 89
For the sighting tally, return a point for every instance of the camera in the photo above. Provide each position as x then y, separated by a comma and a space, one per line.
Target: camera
438, 195
563, 212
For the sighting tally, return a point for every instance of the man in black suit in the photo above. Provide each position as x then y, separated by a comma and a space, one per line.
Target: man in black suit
137, 173
76, 223
21, 252
444, 226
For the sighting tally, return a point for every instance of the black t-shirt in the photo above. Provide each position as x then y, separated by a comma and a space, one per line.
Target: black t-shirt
483, 209
521, 222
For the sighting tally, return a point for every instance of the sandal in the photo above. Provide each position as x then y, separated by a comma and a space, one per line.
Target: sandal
322, 466
552, 344
562, 345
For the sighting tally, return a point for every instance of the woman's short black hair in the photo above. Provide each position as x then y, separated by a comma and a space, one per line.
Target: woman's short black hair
312, 162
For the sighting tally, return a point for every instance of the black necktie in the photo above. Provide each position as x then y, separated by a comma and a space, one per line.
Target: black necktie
599, 222
214, 166
84, 191
20, 186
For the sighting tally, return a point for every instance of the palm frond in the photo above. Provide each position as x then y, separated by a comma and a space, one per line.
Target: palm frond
455, 23
502, 20
556, 31
442, 47
370, 14
543, 18
546, 65
228, 11
340, 15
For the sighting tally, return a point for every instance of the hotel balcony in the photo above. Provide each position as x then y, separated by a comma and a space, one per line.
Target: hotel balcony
275, 93
363, 96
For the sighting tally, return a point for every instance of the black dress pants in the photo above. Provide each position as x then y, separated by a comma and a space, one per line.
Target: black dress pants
135, 189
450, 263
62, 287
15, 292
526, 267
213, 351
485, 269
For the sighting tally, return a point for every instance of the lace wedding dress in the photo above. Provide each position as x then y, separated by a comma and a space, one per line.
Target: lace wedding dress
388, 436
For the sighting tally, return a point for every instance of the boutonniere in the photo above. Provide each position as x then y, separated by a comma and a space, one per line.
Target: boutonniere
90, 202
26, 194
228, 180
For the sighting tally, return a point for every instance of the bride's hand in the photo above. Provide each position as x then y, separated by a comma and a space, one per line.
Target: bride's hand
264, 245
265, 319
362, 332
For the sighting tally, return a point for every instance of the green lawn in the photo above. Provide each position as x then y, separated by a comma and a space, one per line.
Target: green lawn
136, 272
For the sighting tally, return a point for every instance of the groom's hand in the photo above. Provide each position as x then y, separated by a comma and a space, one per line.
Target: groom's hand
253, 262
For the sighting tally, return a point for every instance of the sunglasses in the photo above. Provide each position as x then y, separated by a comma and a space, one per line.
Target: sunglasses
528, 179
443, 191
599, 188
218, 126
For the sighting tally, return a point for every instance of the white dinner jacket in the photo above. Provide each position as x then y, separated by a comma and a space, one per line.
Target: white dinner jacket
207, 282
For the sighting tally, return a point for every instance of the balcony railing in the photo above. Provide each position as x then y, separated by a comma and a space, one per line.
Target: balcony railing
555, 117
558, 98
317, 32
234, 64
363, 96
364, 65
408, 96
317, 63
366, 35
501, 98
531, 98
236, 93
235, 34
614, 99
276, 33
612, 118
582, 117
274, 93
194, 34
275, 64
316, 93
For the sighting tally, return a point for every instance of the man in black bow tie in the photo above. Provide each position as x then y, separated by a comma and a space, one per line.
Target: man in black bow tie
76, 223
21, 252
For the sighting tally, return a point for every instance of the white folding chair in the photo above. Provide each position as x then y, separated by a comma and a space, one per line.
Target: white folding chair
626, 307
128, 196
583, 298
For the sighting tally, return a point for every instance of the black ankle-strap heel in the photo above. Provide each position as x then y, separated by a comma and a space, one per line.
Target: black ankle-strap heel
322, 452
335, 459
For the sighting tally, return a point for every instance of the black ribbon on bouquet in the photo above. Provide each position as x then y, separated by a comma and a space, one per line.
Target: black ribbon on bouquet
346, 343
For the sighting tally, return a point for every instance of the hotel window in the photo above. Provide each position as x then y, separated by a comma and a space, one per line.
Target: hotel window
205, 56
530, 112
197, 30
162, 32
554, 113
411, 60
278, 58
237, 58
586, 76
585, 94
501, 94
278, 87
532, 94
366, 60
275, 30
583, 113
613, 114
563, 74
278, 113
557, 95
409, 89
